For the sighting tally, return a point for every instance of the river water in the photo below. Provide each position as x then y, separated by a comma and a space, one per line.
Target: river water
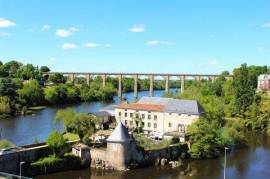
251, 162
26, 129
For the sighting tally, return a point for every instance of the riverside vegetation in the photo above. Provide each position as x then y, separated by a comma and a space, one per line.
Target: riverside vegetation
25, 87
231, 107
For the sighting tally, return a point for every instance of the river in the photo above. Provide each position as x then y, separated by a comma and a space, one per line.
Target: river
246, 163
22, 130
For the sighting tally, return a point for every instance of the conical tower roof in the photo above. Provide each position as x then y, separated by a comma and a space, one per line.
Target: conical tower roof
120, 134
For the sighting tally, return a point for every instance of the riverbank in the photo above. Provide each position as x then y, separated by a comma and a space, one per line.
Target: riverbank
21, 130
249, 162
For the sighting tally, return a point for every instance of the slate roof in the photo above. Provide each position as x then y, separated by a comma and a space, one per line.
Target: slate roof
181, 106
120, 134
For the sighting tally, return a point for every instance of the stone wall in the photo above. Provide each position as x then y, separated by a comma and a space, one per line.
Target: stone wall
10, 162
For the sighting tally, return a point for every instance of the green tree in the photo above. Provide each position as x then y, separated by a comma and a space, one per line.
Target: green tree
57, 78
206, 139
5, 105
44, 69
56, 142
31, 94
244, 91
80, 123
5, 144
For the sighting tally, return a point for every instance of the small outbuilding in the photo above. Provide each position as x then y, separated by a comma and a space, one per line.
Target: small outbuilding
81, 150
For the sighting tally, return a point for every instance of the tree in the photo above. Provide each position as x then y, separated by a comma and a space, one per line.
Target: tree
5, 144
8, 88
12, 67
31, 94
57, 78
56, 142
27, 72
80, 123
56, 94
206, 139
5, 105
44, 69
244, 91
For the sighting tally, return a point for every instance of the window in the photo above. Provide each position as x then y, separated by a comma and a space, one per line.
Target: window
143, 116
170, 124
155, 117
137, 115
125, 114
148, 124
155, 125
131, 115
119, 114
125, 122
149, 116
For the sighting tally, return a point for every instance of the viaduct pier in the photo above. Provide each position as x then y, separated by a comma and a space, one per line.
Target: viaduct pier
151, 76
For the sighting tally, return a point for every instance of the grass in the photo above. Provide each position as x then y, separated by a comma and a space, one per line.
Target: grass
50, 160
5, 144
71, 136
150, 144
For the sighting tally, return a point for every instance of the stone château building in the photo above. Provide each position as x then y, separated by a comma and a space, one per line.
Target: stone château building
159, 115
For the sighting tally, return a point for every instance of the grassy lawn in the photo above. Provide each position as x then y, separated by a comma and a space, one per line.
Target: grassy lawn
150, 144
71, 136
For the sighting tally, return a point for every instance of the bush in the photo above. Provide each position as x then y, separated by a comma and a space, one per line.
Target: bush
5, 144
56, 142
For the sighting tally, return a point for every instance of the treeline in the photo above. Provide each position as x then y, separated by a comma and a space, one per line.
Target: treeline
231, 106
25, 86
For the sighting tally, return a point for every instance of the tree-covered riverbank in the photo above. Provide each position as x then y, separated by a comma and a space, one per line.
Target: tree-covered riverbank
231, 107
23, 87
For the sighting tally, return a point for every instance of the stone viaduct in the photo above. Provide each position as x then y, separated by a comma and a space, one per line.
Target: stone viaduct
182, 77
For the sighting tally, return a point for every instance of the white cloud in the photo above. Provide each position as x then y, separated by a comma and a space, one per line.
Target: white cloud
45, 27
62, 33
6, 23
69, 46
52, 59
66, 32
137, 28
95, 45
213, 62
4, 34
158, 42
267, 24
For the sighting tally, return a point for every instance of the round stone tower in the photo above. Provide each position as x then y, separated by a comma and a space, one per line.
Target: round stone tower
119, 147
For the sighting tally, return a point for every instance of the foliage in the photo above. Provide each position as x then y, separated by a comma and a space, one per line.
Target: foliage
244, 91
5, 105
70, 136
79, 123
31, 94
206, 139
53, 162
150, 144
57, 78
5, 144
56, 142
44, 69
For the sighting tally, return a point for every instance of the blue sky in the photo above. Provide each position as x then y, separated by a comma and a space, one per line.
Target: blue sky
172, 36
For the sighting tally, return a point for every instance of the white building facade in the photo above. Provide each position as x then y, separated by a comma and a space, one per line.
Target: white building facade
263, 82
160, 115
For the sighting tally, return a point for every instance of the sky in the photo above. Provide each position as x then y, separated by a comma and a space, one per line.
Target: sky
165, 36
